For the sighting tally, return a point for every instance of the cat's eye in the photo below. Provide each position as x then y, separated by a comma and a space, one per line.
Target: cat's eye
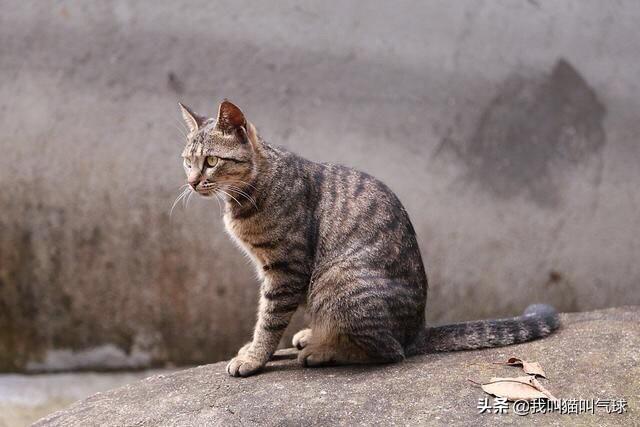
211, 161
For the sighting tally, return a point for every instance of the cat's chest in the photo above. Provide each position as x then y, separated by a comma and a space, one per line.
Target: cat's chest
242, 234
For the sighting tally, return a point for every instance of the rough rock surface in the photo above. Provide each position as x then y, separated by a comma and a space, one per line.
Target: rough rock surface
594, 355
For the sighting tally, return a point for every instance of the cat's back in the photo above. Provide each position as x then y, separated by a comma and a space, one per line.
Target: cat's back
348, 193
337, 191
358, 214
353, 217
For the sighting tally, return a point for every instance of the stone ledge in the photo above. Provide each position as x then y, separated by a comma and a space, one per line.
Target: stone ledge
594, 355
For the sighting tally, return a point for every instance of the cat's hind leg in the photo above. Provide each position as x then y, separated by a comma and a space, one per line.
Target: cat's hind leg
301, 338
351, 319
331, 348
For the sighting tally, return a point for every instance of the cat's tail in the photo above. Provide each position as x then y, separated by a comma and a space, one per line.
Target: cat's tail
537, 321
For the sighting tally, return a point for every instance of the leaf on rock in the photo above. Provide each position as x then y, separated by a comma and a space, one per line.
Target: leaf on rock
531, 368
519, 388
536, 384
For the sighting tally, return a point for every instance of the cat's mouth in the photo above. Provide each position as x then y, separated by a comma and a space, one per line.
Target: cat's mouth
206, 189
206, 192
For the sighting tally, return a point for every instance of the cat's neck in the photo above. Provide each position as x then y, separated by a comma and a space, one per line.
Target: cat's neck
275, 170
250, 196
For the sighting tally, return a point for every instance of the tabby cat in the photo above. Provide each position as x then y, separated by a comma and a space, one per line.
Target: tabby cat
335, 240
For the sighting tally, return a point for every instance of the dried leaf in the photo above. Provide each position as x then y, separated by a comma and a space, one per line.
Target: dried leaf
519, 388
531, 368
536, 384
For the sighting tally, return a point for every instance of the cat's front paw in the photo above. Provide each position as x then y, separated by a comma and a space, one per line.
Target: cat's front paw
243, 366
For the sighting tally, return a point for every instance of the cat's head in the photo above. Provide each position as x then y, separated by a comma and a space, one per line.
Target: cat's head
220, 153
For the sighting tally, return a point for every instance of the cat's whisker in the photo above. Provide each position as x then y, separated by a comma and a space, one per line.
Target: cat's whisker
182, 126
222, 191
217, 196
243, 194
249, 198
236, 190
188, 198
218, 201
185, 191
182, 133
243, 182
180, 197
235, 187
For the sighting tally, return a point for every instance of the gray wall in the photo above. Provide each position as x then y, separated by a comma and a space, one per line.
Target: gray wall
508, 128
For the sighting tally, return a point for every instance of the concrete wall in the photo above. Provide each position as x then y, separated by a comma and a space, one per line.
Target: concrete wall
508, 128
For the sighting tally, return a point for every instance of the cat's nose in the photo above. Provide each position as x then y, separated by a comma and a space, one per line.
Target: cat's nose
194, 183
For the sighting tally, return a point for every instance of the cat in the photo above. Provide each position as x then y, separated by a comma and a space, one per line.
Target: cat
335, 240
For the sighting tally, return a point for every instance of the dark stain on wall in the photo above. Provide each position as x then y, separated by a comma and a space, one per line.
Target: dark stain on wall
532, 131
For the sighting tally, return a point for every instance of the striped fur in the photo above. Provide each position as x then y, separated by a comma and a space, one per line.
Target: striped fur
335, 240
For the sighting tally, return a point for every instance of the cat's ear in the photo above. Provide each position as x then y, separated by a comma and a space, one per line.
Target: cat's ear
230, 117
192, 120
